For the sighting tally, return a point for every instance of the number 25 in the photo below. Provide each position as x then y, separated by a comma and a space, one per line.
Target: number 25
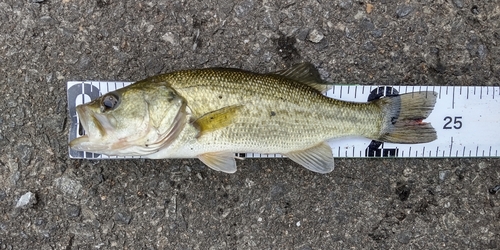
457, 124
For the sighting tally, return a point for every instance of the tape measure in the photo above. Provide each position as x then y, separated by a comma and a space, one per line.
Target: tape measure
466, 119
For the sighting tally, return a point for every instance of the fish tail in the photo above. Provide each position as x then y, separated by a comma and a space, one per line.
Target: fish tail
404, 115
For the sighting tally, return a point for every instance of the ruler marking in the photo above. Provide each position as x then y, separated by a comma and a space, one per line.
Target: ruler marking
83, 94
451, 145
477, 150
453, 99
340, 91
489, 154
467, 93
481, 93
355, 91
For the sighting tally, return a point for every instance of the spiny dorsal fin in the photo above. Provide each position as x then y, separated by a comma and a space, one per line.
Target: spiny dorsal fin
216, 119
304, 73
318, 159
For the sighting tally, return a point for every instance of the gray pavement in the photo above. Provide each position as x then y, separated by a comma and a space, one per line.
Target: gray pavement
48, 201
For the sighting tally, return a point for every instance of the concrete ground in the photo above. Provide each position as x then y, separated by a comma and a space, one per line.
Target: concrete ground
48, 201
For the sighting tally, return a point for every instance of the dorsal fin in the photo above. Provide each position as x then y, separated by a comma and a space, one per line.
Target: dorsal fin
304, 73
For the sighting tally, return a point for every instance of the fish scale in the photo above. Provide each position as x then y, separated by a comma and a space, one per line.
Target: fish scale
312, 121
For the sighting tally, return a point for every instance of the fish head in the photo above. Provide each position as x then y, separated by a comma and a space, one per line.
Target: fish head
136, 120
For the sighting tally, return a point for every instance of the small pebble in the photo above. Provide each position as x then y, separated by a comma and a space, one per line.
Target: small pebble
404, 10
474, 10
443, 174
315, 36
123, 218
171, 38
494, 189
3, 195
458, 3
482, 165
369, 46
27, 200
369, 8
377, 33
73, 211
404, 237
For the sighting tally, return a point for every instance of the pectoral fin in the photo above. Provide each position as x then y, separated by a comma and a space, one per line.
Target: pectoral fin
216, 119
220, 161
318, 159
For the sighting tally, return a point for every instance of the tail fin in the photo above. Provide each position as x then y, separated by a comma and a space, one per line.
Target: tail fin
404, 115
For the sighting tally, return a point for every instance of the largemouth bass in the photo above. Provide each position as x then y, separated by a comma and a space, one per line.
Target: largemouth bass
212, 113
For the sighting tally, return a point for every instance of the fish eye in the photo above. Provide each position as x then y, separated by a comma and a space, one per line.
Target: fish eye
109, 102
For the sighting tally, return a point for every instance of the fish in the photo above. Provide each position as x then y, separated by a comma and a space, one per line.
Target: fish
213, 113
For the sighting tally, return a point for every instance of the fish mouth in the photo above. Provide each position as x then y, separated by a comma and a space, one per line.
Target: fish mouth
92, 124
83, 115
89, 129
83, 130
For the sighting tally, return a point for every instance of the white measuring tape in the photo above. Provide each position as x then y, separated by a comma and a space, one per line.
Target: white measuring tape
466, 119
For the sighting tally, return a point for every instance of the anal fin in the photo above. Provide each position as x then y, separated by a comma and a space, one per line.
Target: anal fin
318, 159
220, 161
